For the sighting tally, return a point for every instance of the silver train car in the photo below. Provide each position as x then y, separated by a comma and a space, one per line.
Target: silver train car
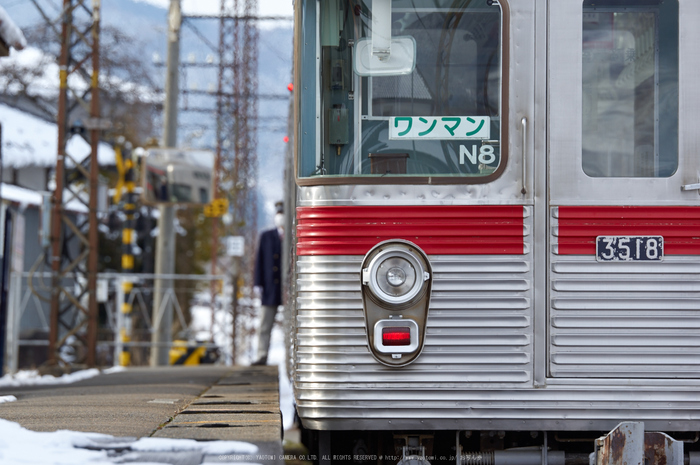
496, 232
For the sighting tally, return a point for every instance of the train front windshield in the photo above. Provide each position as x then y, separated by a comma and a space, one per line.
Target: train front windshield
406, 89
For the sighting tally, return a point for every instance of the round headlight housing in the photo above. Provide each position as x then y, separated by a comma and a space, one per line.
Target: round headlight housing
395, 275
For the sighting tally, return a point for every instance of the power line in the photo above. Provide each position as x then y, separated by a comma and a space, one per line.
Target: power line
242, 18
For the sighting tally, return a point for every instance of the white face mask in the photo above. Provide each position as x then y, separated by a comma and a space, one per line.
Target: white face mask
279, 220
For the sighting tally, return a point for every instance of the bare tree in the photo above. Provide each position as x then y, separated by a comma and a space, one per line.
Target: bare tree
128, 94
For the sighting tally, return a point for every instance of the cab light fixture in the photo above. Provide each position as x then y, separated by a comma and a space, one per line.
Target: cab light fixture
396, 336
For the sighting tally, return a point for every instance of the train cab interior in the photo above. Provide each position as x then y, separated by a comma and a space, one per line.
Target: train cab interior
433, 110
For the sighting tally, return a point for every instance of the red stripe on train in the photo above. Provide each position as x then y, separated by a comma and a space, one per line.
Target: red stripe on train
438, 230
579, 227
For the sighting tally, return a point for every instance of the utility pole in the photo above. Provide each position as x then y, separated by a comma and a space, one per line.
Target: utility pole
165, 243
237, 118
73, 317
236, 125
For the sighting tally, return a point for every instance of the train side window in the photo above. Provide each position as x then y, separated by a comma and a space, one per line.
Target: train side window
630, 88
436, 113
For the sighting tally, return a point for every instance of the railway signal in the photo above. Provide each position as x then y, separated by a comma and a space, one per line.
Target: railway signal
216, 208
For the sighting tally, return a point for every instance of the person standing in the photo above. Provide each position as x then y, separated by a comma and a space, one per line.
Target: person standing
268, 276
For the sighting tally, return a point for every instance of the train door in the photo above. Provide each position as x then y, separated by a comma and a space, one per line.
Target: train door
622, 189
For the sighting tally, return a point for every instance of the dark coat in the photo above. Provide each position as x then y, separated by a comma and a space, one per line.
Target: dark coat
268, 268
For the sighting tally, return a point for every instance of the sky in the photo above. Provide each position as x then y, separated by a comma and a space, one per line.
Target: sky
269, 173
265, 7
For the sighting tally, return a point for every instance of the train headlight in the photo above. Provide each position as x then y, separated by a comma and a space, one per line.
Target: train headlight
396, 283
395, 275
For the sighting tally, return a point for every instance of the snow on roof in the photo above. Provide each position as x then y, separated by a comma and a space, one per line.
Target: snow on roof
19, 195
45, 74
43, 70
28, 197
10, 33
31, 141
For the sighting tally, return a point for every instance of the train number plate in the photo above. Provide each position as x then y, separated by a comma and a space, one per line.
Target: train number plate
629, 248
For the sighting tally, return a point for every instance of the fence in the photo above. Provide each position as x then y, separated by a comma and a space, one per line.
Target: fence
200, 318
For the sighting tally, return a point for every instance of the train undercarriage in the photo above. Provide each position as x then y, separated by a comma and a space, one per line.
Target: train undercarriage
627, 444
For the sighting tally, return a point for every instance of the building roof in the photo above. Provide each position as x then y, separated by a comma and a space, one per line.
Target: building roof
31, 141
10, 33
32, 198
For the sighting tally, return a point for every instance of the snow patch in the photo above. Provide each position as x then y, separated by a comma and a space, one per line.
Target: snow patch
184, 445
32, 378
19, 445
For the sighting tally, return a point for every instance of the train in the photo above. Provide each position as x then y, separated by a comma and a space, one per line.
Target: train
177, 176
495, 248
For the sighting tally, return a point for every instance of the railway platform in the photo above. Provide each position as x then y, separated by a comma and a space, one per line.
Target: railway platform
202, 403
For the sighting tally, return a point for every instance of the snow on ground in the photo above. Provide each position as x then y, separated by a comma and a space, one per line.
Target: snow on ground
181, 445
277, 356
33, 378
20, 446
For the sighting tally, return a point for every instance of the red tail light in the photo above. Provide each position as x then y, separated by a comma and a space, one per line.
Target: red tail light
396, 336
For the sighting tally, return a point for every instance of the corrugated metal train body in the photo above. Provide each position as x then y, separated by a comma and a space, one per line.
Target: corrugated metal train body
626, 319
479, 333
479, 325
395, 406
479, 330
574, 229
437, 229
476, 370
